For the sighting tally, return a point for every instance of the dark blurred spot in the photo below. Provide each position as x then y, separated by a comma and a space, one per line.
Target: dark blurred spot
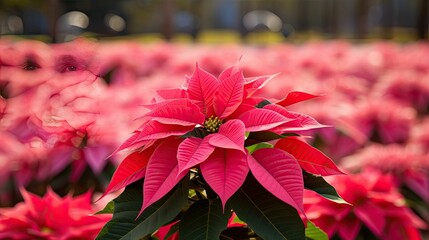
70, 68
107, 77
4, 93
67, 63
30, 65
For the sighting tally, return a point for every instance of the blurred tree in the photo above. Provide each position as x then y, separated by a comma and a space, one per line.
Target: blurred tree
167, 20
362, 11
55, 9
423, 17
388, 16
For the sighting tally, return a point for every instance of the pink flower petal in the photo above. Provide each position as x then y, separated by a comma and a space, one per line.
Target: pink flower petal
225, 171
131, 169
297, 121
419, 183
349, 228
193, 151
173, 93
156, 130
228, 72
96, 157
162, 172
230, 135
372, 216
280, 174
201, 90
169, 102
127, 143
295, 97
177, 114
309, 158
261, 120
256, 83
240, 110
229, 95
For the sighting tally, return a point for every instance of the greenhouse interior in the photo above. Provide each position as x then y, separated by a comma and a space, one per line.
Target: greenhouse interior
228, 119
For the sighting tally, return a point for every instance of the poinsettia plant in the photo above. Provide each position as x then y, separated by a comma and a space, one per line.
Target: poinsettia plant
210, 149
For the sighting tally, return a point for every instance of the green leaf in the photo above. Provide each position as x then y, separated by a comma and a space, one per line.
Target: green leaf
257, 146
320, 186
124, 224
267, 215
314, 233
203, 220
196, 132
262, 103
109, 208
264, 136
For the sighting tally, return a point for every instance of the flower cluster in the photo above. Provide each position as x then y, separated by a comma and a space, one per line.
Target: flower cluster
64, 108
55, 117
51, 217
375, 204
407, 166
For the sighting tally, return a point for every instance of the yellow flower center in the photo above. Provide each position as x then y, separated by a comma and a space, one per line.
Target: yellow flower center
46, 230
212, 124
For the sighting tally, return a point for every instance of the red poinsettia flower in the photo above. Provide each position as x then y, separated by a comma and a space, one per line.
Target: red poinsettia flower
375, 203
51, 217
407, 166
213, 116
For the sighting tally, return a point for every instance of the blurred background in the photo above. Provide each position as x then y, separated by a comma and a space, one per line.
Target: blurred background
212, 21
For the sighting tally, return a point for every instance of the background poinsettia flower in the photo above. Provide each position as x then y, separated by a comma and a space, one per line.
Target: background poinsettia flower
407, 165
374, 203
51, 217
406, 86
25, 65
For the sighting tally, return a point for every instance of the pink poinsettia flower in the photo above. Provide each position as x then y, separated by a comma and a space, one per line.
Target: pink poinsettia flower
212, 116
25, 65
73, 64
407, 166
51, 217
406, 86
73, 127
121, 63
22, 162
374, 203
381, 120
70, 126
